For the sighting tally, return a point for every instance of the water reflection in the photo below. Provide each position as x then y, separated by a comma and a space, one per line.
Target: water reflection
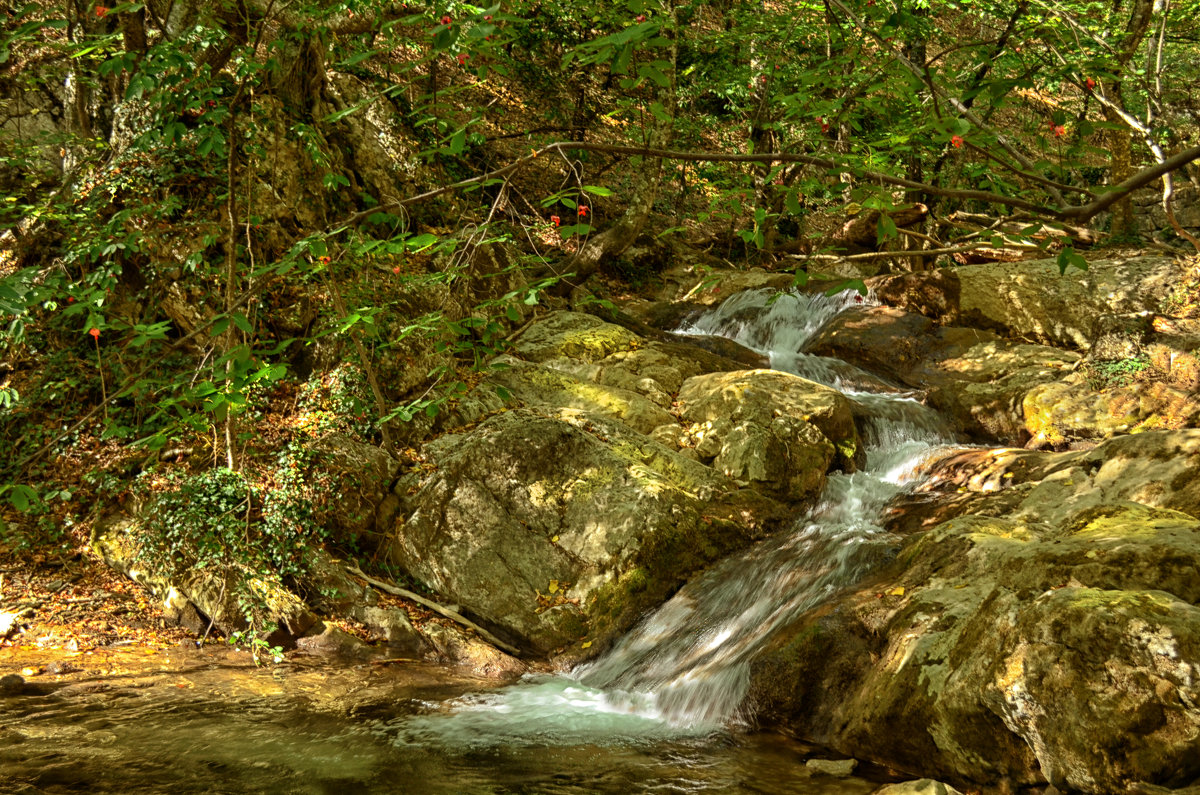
210, 726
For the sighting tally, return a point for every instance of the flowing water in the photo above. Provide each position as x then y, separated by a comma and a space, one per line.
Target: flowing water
683, 672
662, 711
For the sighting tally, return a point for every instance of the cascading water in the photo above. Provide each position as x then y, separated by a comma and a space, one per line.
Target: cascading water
684, 670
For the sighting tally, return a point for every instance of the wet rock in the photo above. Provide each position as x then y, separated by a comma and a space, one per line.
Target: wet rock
333, 642
1049, 627
454, 645
555, 529
390, 625
924, 786
11, 684
60, 667
882, 340
840, 768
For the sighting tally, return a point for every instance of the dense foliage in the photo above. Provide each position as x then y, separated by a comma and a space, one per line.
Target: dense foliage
210, 204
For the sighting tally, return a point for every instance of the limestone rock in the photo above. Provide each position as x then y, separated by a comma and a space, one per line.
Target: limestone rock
452, 644
1032, 300
924, 786
573, 335
758, 426
1059, 412
391, 626
983, 389
538, 385
839, 768
560, 528
1047, 624
333, 642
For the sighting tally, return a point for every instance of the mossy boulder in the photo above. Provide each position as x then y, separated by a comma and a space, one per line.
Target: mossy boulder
776, 431
982, 389
573, 335
1060, 412
558, 528
1048, 630
531, 384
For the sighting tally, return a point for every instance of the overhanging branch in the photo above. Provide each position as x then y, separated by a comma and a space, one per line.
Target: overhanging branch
1078, 213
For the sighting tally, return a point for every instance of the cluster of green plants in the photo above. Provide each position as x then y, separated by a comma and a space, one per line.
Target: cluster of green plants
1118, 372
215, 519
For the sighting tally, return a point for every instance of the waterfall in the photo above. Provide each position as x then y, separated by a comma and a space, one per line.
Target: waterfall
684, 669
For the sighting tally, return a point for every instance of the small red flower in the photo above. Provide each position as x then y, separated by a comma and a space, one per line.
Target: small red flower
212, 103
762, 79
1091, 84
446, 20
583, 211
95, 333
858, 299
323, 260
641, 17
824, 124
462, 58
487, 17
957, 141
554, 219
396, 270
1059, 130
71, 299
101, 11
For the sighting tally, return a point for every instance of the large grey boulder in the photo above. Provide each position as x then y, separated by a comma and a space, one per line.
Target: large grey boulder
558, 529
1045, 629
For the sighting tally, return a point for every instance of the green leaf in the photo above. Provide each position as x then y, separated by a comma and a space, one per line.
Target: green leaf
597, 190
651, 72
1069, 258
241, 322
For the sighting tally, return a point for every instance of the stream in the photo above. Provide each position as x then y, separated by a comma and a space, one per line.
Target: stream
662, 711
